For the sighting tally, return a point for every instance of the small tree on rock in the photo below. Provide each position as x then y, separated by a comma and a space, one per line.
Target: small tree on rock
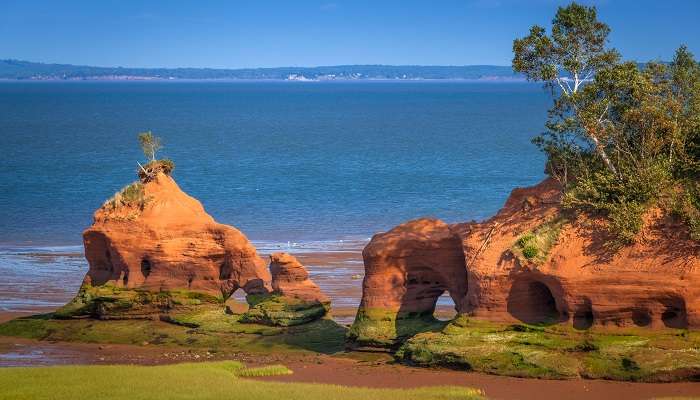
150, 144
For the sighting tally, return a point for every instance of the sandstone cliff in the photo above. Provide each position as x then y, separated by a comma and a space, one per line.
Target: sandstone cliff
531, 263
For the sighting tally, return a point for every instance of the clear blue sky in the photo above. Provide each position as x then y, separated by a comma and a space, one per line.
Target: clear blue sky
265, 33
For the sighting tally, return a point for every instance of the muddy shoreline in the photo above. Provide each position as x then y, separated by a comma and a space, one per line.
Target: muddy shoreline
340, 274
365, 370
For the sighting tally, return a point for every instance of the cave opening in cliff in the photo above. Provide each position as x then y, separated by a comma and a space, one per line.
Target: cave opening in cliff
145, 267
641, 317
583, 316
675, 314
532, 302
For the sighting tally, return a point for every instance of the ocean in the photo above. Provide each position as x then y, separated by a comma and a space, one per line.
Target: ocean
301, 166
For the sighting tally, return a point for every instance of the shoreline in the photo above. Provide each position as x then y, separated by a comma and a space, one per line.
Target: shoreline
355, 370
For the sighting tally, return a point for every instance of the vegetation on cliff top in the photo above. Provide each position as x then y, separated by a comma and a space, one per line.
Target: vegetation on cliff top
620, 137
150, 145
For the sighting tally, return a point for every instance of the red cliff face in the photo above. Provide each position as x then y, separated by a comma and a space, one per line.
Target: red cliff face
576, 278
161, 239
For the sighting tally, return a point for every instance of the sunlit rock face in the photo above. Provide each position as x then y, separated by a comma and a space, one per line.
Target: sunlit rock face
294, 299
574, 277
152, 238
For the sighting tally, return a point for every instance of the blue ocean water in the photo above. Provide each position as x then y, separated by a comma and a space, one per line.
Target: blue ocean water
282, 161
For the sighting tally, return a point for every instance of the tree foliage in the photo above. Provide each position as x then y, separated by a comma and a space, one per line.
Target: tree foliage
620, 137
150, 144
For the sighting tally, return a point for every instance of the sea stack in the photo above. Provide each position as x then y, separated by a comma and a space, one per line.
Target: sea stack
153, 249
294, 300
534, 263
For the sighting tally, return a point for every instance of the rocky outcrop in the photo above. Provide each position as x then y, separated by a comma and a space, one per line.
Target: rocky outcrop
529, 263
290, 279
153, 249
294, 300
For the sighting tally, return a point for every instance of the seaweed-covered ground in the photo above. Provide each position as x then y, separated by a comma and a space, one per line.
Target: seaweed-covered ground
558, 351
316, 353
552, 352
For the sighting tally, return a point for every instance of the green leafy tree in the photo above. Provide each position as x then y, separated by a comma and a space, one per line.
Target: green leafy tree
150, 144
567, 58
620, 137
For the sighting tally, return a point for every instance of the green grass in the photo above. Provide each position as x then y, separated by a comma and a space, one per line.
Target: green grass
215, 380
535, 246
558, 351
267, 370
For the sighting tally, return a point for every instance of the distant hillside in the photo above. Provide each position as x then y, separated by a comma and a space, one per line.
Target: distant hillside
16, 69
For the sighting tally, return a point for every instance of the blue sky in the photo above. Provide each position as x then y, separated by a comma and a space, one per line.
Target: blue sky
233, 34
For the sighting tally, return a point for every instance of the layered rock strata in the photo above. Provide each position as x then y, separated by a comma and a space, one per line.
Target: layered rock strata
153, 249
294, 299
530, 263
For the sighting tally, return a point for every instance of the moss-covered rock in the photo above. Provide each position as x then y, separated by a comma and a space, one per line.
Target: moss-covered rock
381, 328
110, 302
557, 352
274, 309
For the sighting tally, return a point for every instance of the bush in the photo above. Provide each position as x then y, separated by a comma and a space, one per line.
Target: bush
686, 206
530, 251
132, 195
151, 170
622, 199
536, 245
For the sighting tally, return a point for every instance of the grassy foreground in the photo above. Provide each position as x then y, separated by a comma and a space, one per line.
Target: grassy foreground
559, 351
216, 380
555, 351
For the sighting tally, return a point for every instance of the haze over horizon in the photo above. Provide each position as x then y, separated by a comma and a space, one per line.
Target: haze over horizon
247, 34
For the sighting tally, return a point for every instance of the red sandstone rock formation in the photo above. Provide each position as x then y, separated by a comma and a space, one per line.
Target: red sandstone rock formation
156, 237
289, 278
581, 280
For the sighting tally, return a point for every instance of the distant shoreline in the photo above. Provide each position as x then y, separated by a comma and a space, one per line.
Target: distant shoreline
244, 80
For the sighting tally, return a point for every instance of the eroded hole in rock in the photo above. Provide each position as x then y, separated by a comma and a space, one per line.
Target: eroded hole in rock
532, 302
641, 317
583, 316
125, 280
236, 303
145, 267
675, 314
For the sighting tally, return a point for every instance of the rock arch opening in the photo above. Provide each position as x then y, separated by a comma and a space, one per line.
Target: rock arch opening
532, 301
236, 302
674, 314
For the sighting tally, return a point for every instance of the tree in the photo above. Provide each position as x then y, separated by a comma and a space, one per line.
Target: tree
620, 137
150, 144
565, 60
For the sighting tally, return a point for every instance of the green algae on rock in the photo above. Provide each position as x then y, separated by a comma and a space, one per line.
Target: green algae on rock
558, 352
274, 309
